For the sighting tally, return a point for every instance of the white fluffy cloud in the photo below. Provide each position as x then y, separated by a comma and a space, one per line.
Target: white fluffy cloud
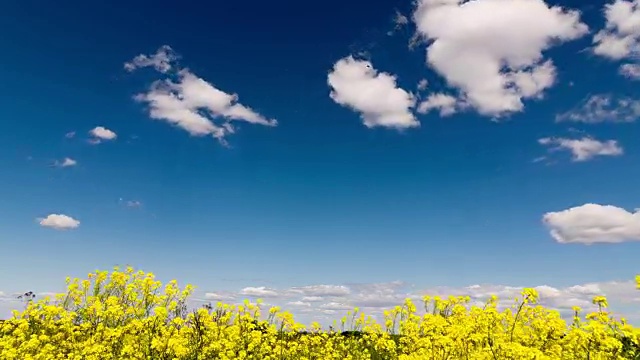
357, 85
593, 223
603, 108
59, 222
100, 133
191, 102
585, 148
620, 39
491, 50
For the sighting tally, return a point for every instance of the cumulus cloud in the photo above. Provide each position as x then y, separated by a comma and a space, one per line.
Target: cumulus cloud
101, 133
603, 108
593, 223
422, 84
584, 149
59, 222
491, 50
191, 103
357, 85
620, 38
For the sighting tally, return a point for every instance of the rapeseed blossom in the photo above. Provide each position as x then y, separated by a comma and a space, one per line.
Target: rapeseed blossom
129, 315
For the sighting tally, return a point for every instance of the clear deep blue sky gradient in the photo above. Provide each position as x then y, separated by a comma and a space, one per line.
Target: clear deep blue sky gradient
318, 199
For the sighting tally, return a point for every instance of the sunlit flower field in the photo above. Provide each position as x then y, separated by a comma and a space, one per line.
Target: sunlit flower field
129, 315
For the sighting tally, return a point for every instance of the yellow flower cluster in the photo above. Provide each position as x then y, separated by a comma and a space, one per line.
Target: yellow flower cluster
129, 315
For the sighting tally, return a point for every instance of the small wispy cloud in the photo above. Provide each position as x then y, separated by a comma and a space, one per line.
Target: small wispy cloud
445, 103
130, 203
133, 204
422, 84
67, 162
162, 60
585, 148
399, 21
603, 108
630, 71
70, 134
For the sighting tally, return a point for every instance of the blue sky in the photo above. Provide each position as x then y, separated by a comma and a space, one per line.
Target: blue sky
326, 196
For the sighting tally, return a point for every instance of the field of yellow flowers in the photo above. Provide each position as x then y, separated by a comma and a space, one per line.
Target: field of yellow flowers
129, 315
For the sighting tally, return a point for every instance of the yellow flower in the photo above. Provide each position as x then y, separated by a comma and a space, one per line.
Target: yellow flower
600, 301
530, 295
